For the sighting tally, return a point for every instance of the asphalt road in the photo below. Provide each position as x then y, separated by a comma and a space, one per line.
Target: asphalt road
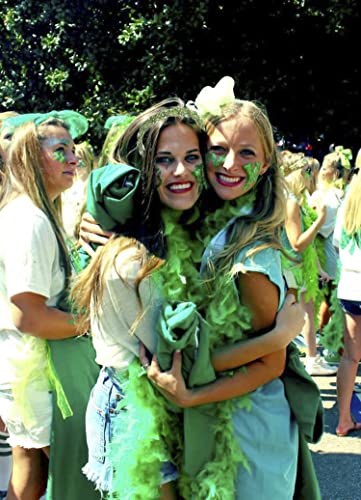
337, 459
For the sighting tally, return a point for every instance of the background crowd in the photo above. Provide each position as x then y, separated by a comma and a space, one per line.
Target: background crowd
177, 192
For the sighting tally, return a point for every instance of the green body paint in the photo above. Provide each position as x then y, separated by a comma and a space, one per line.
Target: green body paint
198, 173
252, 172
59, 156
158, 172
216, 160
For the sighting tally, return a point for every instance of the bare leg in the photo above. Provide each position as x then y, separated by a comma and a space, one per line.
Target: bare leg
308, 331
347, 372
168, 491
29, 474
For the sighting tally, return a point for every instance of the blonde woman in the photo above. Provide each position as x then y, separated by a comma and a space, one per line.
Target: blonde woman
34, 269
330, 192
347, 238
301, 228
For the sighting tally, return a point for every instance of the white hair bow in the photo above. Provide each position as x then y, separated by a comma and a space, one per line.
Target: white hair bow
210, 99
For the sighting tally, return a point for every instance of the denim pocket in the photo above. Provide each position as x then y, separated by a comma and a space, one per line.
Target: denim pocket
101, 411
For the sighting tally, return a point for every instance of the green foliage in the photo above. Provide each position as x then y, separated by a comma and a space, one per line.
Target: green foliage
101, 57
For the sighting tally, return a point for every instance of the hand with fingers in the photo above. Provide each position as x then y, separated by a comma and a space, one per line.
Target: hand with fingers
290, 319
91, 232
171, 382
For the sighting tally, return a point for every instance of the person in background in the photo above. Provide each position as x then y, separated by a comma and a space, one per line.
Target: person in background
34, 270
330, 192
74, 198
301, 228
347, 238
5, 448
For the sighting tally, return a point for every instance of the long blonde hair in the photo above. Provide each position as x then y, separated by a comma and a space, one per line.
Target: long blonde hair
87, 289
352, 208
24, 175
268, 215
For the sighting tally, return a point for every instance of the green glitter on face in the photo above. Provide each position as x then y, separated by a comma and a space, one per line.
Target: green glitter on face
252, 172
158, 181
216, 160
59, 156
198, 173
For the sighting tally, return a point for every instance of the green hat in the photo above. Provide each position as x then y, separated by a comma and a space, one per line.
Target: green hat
76, 122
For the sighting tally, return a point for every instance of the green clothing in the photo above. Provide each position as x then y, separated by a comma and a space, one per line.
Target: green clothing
74, 362
110, 193
181, 327
305, 401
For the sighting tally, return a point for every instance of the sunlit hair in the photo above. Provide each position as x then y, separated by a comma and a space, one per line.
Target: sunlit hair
268, 214
85, 154
298, 184
352, 208
4, 116
126, 149
340, 173
88, 287
24, 174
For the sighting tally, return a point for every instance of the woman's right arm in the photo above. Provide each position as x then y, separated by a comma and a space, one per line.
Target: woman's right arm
301, 240
289, 323
32, 316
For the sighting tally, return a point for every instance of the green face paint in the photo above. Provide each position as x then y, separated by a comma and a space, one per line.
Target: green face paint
216, 160
252, 172
158, 181
59, 156
198, 173
82, 164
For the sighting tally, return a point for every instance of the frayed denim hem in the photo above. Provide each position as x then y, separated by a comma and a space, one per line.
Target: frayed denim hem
103, 481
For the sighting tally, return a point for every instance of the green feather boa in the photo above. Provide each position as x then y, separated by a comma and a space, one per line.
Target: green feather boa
152, 430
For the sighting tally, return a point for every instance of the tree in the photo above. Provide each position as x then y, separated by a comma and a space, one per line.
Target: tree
105, 57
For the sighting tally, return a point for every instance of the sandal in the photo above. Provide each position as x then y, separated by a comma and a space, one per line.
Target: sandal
356, 427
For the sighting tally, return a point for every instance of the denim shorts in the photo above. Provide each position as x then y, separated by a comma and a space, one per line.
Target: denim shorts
101, 411
34, 432
351, 306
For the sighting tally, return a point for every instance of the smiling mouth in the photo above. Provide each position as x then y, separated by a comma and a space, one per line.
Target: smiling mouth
180, 187
226, 180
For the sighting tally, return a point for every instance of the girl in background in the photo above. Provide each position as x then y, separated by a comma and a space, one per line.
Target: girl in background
347, 238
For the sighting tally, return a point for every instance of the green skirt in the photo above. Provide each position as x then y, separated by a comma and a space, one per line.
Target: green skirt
75, 366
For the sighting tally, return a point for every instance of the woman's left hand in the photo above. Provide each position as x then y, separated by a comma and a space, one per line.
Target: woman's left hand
323, 276
171, 383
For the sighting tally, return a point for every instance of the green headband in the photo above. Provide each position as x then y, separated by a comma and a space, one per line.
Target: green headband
76, 122
174, 112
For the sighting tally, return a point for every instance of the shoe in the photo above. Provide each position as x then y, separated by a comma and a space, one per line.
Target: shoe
317, 366
331, 356
356, 427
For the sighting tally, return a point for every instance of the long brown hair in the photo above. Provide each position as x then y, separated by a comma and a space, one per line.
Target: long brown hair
87, 290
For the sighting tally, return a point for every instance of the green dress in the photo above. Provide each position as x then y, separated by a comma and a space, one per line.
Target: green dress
74, 362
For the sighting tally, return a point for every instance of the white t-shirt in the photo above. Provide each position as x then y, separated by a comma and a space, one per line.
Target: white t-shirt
349, 286
332, 199
73, 200
29, 262
115, 346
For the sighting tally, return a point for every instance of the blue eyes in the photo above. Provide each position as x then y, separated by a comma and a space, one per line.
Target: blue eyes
221, 151
168, 161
